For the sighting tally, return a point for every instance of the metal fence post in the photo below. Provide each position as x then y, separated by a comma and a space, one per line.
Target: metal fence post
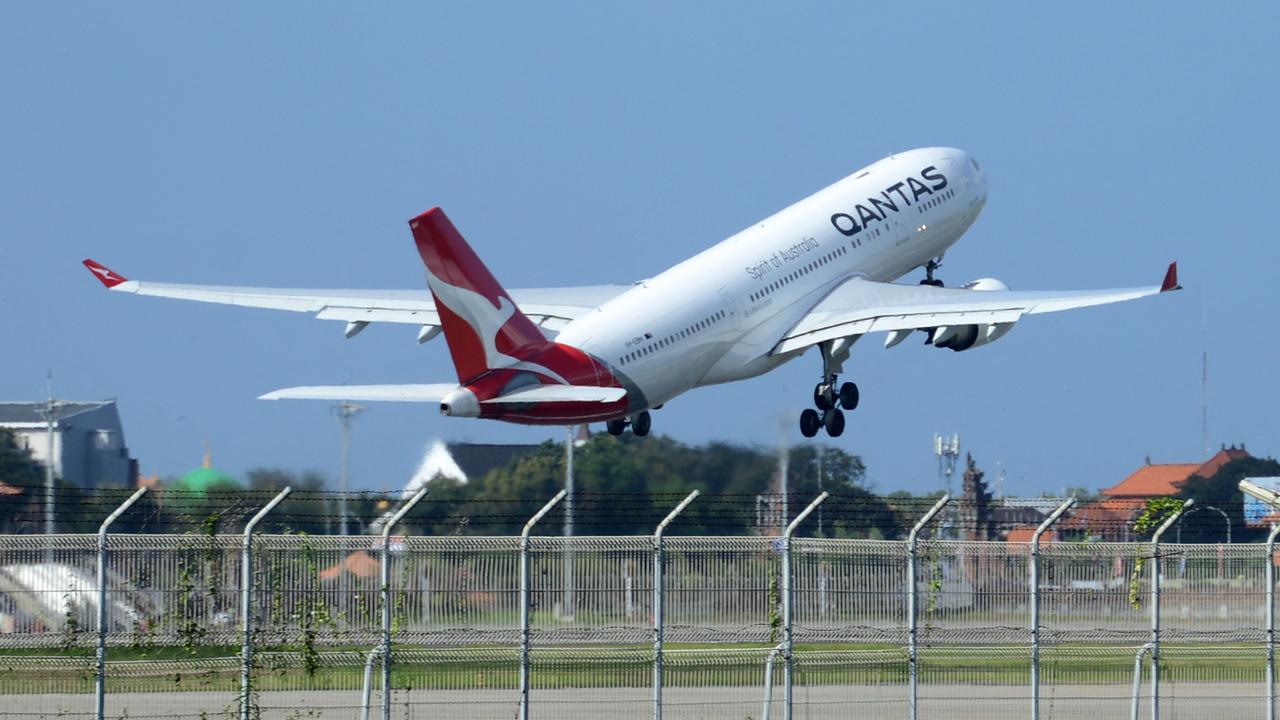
366, 695
788, 600
1035, 603
1155, 607
386, 598
658, 601
1270, 497
912, 629
524, 601
246, 600
1137, 680
100, 684
1271, 622
768, 679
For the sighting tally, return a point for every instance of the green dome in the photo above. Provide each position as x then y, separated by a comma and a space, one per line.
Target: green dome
205, 478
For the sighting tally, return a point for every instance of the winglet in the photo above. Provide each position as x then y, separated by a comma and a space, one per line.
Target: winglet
1171, 278
105, 274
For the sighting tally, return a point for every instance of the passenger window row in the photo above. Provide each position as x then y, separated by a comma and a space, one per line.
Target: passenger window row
797, 274
671, 339
936, 201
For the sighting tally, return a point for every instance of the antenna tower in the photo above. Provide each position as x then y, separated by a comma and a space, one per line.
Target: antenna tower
948, 451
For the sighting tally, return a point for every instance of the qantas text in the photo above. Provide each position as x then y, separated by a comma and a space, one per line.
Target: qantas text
896, 196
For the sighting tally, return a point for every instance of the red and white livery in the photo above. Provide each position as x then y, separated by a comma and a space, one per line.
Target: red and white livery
818, 273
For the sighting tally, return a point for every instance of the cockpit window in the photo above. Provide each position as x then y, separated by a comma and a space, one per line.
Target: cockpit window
975, 164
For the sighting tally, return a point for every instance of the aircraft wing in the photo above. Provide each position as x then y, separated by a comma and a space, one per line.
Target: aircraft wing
366, 393
550, 308
862, 306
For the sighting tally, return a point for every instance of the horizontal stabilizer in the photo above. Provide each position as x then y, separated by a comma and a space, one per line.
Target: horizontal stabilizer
368, 393
437, 392
559, 393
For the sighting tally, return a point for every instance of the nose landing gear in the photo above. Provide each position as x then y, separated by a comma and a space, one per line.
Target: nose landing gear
640, 424
929, 267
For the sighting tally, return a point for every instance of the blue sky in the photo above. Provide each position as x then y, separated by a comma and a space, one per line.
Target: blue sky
287, 144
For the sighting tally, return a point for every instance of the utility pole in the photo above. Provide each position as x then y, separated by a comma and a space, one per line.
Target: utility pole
784, 470
822, 451
50, 413
344, 412
569, 440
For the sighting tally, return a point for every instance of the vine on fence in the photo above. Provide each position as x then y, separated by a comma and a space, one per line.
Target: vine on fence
70, 622
935, 580
1156, 512
188, 608
313, 613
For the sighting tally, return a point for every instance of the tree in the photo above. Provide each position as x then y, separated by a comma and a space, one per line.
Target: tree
17, 467
1222, 491
19, 505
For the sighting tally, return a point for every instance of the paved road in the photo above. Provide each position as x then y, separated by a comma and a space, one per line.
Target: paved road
1068, 702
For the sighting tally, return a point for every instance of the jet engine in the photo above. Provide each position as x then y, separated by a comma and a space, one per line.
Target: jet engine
984, 285
967, 337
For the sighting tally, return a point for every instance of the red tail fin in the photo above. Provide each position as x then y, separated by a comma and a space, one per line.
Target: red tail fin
104, 274
482, 326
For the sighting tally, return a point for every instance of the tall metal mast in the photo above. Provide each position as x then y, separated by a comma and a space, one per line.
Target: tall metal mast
344, 412
50, 413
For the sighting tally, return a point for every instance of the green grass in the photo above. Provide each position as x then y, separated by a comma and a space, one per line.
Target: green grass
693, 665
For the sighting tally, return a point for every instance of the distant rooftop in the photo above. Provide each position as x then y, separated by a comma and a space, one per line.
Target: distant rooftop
463, 462
27, 413
1164, 480
478, 460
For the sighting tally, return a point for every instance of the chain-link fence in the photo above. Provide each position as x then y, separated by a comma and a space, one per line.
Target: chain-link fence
589, 627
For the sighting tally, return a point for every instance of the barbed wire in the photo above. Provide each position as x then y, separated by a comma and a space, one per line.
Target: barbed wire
313, 510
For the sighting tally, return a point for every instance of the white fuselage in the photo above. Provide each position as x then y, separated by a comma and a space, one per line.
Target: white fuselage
717, 316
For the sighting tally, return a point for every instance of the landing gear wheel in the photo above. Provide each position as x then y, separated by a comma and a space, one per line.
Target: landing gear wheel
834, 420
822, 396
810, 422
641, 424
849, 396
616, 426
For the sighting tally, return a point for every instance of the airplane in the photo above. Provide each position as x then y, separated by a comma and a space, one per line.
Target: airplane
819, 273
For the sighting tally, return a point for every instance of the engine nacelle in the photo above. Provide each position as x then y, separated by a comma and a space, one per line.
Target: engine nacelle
967, 337
984, 285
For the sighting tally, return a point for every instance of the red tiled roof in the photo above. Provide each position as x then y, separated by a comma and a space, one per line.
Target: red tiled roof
1162, 480
359, 563
1223, 456
1023, 533
1153, 481
1106, 514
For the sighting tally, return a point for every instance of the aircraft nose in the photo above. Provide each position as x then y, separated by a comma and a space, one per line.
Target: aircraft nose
976, 176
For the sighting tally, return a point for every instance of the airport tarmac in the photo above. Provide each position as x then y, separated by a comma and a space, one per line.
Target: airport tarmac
1073, 702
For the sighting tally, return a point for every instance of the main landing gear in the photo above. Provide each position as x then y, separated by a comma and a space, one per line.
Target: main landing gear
830, 396
929, 267
640, 424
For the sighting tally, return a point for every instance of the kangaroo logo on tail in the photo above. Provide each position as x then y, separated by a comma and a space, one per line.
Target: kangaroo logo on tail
482, 326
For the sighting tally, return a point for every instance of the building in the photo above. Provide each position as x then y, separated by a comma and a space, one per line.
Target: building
1256, 512
980, 516
1112, 517
463, 462
88, 440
